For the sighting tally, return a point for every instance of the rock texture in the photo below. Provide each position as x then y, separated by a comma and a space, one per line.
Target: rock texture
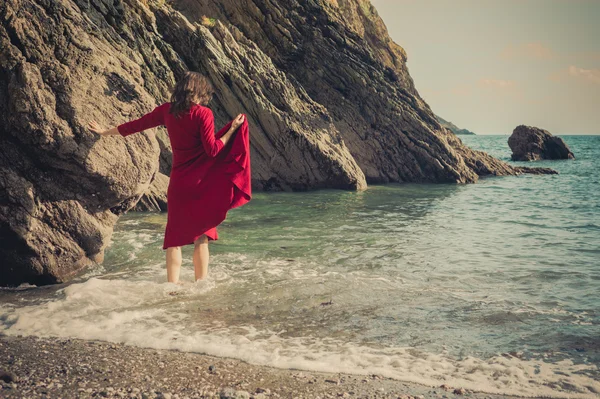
453, 128
530, 143
341, 54
327, 93
62, 187
155, 198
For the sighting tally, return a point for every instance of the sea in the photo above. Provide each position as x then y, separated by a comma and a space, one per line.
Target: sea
493, 286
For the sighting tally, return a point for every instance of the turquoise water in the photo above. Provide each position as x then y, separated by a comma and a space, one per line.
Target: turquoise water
493, 286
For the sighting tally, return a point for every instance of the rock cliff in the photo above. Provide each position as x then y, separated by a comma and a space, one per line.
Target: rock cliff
328, 95
530, 143
453, 128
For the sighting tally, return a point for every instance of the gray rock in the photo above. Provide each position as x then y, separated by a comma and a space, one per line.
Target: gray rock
227, 393
230, 393
62, 187
242, 395
530, 143
341, 54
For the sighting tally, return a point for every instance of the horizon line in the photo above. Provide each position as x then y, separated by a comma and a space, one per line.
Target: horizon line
508, 134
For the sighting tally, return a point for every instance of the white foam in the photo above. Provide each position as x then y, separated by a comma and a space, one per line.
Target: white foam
129, 222
21, 287
136, 313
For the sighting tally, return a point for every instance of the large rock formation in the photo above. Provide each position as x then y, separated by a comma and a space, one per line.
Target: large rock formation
453, 128
530, 143
328, 95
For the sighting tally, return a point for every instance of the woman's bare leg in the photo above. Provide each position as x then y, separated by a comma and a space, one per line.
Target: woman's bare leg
201, 257
173, 264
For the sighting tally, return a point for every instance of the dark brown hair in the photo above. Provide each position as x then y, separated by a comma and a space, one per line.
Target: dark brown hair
192, 88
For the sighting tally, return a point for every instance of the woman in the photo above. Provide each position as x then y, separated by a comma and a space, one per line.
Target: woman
210, 173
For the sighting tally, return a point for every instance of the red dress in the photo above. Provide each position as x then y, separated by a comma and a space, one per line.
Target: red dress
207, 179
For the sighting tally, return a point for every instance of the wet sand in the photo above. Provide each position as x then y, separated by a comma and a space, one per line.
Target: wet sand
72, 368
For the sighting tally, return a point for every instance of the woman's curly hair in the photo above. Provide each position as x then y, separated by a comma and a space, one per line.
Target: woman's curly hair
192, 88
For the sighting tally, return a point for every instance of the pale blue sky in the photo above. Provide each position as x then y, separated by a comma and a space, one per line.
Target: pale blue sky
490, 65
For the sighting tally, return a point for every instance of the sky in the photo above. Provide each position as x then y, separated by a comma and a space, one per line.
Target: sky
491, 65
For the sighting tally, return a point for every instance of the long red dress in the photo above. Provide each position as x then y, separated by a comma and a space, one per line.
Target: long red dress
207, 179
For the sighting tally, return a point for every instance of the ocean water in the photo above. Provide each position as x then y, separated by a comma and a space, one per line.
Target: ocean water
493, 286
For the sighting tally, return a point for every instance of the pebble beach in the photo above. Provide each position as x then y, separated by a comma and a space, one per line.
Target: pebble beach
70, 368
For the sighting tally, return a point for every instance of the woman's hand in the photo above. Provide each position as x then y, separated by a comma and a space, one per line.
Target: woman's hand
95, 127
237, 122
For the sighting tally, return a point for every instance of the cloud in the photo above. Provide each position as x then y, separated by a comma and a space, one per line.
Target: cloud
497, 83
576, 73
590, 75
532, 50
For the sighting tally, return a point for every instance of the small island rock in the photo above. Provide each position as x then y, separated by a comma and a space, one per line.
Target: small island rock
530, 143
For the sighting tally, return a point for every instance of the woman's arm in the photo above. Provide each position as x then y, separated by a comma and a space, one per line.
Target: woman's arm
211, 144
148, 121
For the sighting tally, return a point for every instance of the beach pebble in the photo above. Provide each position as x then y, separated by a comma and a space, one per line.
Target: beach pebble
230, 393
460, 391
242, 395
164, 395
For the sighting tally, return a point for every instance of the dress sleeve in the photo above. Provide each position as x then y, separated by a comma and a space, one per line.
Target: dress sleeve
148, 121
211, 144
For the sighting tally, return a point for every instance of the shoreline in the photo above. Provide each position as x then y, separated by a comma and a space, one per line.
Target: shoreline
74, 368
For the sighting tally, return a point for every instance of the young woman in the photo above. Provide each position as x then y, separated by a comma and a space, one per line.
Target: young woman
210, 173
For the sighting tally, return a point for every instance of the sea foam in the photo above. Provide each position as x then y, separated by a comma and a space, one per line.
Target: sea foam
145, 313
